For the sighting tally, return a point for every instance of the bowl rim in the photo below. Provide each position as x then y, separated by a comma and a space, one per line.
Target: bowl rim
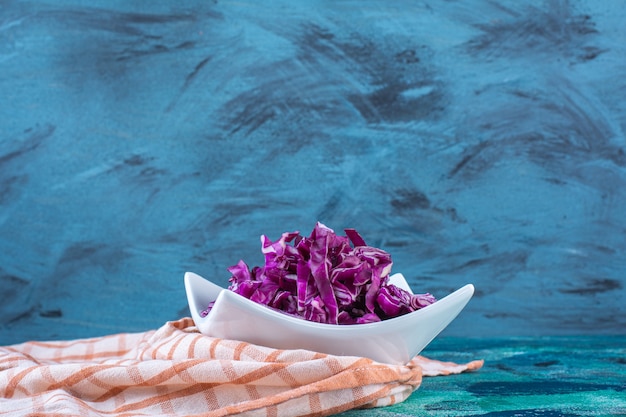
192, 279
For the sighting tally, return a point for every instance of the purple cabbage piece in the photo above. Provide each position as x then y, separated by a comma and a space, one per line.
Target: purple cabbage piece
324, 279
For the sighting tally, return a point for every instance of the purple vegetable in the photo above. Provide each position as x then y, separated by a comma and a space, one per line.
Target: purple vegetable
324, 279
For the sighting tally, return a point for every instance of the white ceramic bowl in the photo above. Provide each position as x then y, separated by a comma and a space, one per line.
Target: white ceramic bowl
394, 341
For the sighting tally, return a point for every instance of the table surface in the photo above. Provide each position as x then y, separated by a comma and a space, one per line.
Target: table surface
546, 376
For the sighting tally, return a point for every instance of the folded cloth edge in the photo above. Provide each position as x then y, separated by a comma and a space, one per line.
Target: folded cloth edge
175, 370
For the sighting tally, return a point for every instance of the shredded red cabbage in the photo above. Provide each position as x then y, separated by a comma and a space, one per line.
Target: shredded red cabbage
324, 279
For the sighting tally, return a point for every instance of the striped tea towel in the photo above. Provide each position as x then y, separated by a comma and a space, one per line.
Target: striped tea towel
176, 371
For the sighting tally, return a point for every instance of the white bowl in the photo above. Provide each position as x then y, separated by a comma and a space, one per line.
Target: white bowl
394, 341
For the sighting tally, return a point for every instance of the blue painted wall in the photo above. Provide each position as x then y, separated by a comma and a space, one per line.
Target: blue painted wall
476, 141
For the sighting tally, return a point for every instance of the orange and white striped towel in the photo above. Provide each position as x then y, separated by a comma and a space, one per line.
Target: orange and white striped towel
176, 371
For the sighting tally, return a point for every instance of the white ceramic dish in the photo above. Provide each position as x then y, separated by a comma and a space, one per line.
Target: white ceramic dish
394, 341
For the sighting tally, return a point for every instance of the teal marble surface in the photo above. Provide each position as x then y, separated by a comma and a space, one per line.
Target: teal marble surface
545, 376
476, 141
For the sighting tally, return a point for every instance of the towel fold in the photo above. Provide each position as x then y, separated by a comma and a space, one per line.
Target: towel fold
176, 371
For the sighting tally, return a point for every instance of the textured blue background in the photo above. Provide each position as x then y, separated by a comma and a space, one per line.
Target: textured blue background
476, 141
